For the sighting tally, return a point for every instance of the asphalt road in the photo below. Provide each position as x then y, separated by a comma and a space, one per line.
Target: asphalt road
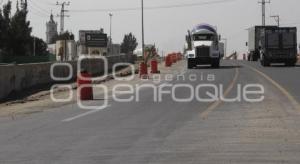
169, 132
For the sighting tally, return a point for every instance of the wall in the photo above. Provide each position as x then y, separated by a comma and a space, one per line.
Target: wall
28, 59
1, 58
15, 78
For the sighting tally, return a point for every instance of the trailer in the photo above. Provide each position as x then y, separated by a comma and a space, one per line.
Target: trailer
254, 41
279, 46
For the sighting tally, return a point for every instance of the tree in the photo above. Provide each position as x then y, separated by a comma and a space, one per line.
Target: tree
129, 43
40, 46
20, 33
15, 32
4, 26
65, 36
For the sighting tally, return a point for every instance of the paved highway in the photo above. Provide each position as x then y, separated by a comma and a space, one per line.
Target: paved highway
169, 132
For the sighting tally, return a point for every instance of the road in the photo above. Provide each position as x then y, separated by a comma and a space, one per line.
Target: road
169, 132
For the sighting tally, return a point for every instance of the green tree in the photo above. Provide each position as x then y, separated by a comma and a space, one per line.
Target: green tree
65, 36
20, 33
40, 46
129, 43
4, 26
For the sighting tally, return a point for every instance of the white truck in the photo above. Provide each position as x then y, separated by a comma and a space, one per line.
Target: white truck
202, 47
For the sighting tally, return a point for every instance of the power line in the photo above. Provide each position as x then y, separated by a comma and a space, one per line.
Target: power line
37, 11
47, 3
38, 14
153, 7
40, 8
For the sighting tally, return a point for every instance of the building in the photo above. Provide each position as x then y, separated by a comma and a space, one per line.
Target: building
92, 42
66, 50
51, 30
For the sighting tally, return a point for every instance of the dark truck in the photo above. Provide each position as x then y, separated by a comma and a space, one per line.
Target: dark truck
254, 41
272, 44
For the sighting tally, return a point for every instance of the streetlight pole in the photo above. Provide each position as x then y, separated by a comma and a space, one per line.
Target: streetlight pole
111, 47
34, 46
143, 39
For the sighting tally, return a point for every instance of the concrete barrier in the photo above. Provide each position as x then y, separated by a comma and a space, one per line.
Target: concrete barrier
15, 78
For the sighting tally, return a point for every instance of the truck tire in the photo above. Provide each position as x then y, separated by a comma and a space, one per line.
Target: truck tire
255, 58
190, 64
216, 64
265, 62
249, 57
290, 64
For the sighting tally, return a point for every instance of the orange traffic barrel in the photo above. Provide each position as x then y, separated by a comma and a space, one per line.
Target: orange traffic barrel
174, 58
143, 70
86, 92
154, 66
168, 62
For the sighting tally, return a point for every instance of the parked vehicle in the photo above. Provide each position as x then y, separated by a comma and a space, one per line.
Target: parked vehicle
203, 46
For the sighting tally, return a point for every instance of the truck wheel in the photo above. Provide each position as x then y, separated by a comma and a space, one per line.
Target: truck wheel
255, 58
190, 64
290, 64
216, 64
265, 62
251, 58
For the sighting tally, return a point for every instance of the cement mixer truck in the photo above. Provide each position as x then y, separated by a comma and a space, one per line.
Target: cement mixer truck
202, 47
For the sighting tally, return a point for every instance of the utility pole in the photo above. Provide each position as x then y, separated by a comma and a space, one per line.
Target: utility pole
263, 6
143, 39
34, 46
277, 19
63, 15
111, 45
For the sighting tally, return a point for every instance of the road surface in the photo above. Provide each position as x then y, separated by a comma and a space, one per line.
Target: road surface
169, 132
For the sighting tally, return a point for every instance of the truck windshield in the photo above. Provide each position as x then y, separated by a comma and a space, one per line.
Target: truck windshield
200, 37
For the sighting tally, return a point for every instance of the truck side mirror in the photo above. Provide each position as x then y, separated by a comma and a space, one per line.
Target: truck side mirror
246, 44
220, 37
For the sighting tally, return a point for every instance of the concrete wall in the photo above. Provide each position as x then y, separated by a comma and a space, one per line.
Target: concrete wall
1, 58
15, 78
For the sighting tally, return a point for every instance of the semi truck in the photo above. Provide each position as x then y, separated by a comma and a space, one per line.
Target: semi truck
202, 46
272, 44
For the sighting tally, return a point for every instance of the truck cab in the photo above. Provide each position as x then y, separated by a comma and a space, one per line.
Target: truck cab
203, 47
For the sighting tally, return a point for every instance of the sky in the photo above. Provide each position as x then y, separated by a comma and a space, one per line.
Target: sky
166, 27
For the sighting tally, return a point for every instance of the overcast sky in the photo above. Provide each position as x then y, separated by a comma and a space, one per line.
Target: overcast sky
165, 27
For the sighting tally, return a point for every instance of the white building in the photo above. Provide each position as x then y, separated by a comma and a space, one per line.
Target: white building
66, 50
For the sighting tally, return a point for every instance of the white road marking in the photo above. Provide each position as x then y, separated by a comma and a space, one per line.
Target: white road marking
83, 115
